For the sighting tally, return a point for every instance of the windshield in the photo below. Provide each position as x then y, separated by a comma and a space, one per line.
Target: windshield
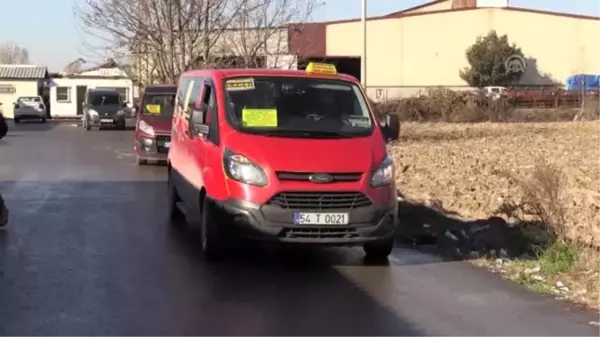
159, 104
30, 99
297, 107
106, 99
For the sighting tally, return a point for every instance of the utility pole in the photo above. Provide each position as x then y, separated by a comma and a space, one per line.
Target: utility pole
363, 57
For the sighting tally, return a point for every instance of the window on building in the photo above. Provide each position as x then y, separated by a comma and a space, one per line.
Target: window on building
63, 94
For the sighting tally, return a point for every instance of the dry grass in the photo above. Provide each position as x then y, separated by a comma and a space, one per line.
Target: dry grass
477, 169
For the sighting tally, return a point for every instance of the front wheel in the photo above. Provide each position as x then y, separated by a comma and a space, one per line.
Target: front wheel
176, 216
379, 250
212, 240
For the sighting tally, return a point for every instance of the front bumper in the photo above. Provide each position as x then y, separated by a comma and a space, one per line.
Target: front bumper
30, 115
106, 120
153, 148
273, 223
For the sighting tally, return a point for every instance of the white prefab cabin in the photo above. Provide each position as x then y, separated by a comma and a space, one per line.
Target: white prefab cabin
67, 93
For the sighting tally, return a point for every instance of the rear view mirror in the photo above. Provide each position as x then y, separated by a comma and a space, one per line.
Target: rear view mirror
391, 127
196, 124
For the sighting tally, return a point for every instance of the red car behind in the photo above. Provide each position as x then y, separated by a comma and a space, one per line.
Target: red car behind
153, 124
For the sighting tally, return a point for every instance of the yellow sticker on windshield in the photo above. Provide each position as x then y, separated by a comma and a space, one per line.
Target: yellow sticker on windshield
240, 84
153, 109
259, 118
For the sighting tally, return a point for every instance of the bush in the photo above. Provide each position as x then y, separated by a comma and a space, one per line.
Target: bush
542, 200
445, 105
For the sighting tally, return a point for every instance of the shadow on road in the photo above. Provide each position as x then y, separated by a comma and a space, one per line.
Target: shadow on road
81, 258
427, 226
25, 126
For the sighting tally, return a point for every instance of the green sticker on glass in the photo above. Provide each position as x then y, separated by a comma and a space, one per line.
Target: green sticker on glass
259, 118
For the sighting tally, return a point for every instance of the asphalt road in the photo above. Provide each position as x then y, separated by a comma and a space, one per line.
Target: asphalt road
88, 252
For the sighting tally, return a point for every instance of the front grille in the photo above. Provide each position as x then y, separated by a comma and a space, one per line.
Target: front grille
160, 143
304, 176
320, 200
319, 233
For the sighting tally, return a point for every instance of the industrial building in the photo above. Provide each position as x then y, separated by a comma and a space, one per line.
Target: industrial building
424, 46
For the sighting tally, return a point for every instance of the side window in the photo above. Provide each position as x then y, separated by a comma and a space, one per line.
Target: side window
209, 104
195, 92
181, 90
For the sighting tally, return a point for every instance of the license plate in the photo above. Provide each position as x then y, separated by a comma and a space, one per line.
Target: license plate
106, 120
167, 144
321, 218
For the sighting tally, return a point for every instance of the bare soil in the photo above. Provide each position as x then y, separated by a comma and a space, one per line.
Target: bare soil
462, 169
462, 165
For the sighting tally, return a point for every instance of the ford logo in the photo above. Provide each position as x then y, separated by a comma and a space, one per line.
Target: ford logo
320, 178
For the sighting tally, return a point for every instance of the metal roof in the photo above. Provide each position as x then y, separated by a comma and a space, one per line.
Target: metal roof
23, 72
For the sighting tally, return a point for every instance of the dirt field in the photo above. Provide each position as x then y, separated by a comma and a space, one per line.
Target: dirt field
461, 165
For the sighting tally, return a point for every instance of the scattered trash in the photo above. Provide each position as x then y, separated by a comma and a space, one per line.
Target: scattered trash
450, 236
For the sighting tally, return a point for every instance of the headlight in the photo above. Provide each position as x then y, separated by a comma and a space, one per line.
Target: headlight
242, 169
93, 112
384, 174
146, 128
120, 113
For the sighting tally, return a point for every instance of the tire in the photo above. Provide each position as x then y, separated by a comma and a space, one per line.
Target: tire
43, 120
16, 120
141, 161
176, 217
212, 241
379, 250
86, 125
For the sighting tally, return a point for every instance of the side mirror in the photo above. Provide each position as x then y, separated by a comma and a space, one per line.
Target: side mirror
391, 127
196, 123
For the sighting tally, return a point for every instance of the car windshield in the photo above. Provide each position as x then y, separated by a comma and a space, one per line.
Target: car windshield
30, 99
159, 104
297, 107
106, 99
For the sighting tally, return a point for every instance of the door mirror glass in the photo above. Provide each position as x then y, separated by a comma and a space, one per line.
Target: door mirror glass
391, 127
196, 124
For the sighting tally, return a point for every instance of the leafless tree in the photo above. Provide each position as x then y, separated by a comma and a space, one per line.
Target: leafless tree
12, 53
165, 34
75, 66
166, 37
258, 37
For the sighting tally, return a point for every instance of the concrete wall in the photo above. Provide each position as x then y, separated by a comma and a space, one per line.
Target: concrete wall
69, 108
21, 88
429, 50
